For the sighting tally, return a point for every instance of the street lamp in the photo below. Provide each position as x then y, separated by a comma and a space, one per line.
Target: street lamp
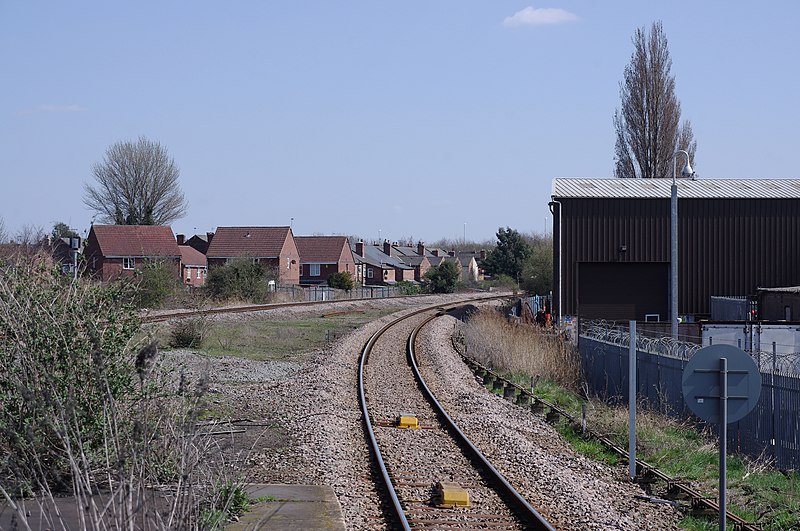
673, 260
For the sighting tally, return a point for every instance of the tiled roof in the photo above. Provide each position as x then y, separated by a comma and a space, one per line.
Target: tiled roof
320, 249
257, 242
687, 188
135, 240
191, 256
377, 258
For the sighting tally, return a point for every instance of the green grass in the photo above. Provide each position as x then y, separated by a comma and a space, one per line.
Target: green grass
285, 340
755, 492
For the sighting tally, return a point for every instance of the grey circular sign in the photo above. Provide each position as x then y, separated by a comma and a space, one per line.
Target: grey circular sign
701, 383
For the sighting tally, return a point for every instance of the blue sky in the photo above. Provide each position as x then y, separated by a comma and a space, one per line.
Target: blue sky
391, 119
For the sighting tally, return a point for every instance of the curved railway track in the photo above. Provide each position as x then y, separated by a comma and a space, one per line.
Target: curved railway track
430, 470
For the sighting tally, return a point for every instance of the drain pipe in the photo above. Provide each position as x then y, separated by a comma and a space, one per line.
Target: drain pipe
552, 204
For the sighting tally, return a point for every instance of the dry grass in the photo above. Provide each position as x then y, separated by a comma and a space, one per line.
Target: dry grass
516, 348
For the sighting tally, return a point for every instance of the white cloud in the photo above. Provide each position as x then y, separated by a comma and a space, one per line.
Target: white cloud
531, 16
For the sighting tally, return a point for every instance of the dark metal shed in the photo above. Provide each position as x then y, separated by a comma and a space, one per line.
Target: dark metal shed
612, 243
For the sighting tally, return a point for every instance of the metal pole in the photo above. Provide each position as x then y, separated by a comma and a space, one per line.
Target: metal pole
775, 443
723, 439
673, 260
632, 402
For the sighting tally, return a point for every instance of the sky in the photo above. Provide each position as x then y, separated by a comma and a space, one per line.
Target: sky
385, 120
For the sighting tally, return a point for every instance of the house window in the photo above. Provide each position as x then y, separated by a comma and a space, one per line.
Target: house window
129, 262
314, 270
369, 272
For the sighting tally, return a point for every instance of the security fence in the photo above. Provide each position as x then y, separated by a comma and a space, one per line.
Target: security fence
771, 430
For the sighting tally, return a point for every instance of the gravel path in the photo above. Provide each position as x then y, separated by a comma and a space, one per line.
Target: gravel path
305, 427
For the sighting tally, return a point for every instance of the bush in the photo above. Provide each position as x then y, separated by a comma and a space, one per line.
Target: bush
188, 333
406, 287
341, 280
443, 278
240, 279
64, 353
157, 281
82, 410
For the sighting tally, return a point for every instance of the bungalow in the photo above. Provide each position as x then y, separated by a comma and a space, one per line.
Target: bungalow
114, 251
273, 246
322, 256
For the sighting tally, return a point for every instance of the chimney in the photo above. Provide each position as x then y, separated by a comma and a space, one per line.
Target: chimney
420, 248
483, 254
387, 248
435, 252
181, 239
360, 247
452, 253
209, 235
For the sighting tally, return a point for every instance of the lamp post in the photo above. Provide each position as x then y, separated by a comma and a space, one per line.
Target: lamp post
673, 259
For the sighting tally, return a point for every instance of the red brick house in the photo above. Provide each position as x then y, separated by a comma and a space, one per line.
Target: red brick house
321, 256
378, 267
193, 266
273, 246
114, 251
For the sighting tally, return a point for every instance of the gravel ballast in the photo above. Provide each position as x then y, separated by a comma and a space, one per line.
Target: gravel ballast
305, 427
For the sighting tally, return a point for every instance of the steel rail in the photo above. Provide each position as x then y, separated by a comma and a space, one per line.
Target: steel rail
397, 510
530, 516
242, 309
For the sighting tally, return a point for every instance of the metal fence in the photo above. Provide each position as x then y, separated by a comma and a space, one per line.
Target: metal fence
325, 293
771, 430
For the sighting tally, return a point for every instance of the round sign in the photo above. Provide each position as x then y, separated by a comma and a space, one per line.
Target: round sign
701, 383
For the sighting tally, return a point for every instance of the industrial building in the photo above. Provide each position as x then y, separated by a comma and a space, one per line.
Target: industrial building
611, 244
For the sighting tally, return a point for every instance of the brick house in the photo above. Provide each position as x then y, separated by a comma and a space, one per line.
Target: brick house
114, 251
379, 267
417, 257
193, 266
273, 246
321, 256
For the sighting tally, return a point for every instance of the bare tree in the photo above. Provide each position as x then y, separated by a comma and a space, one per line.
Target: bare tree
3, 232
137, 184
30, 235
648, 128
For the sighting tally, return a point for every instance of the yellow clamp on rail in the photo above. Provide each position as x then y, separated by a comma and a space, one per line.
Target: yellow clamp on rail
408, 421
451, 495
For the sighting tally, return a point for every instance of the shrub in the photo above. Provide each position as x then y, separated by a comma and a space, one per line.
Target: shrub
406, 287
443, 278
241, 279
188, 333
341, 280
157, 281
81, 410
64, 353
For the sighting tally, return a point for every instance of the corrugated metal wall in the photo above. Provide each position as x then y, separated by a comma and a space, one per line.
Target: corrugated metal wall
726, 246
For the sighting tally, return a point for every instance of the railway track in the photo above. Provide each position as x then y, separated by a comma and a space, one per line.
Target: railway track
433, 475
699, 503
